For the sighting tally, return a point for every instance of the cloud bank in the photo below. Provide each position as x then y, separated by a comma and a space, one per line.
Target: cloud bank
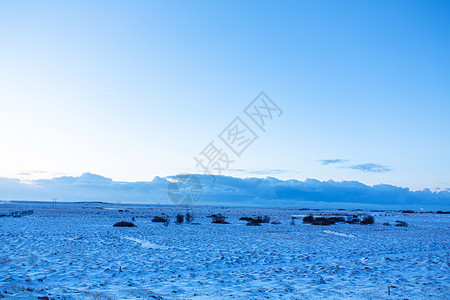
370, 167
325, 162
366, 167
229, 191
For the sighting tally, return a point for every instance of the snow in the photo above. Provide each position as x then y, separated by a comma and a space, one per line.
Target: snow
338, 233
74, 252
145, 244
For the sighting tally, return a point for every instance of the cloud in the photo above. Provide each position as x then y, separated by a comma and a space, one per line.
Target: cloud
24, 173
262, 171
35, 173
325, 162
29, 173
227, 190
237, 170
273, 192
371, 167
268, 172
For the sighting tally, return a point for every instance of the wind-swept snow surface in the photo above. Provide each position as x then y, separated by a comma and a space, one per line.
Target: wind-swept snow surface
73, 251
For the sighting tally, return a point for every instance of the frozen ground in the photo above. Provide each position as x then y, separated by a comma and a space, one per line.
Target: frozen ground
73, 252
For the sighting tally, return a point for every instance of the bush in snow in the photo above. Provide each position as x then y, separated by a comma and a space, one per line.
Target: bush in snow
337, 219
308, 219
189, 218
124, 224
179, 219
218, 219
158, 219
401, 224
322, 221
353, 219
253, 222
260, 219
367, 219
256, 221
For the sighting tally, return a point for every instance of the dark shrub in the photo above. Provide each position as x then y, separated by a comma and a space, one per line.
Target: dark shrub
408, 211
159, 219
308, 219
254, 222
322, 221
189, 218
401, 224
179, 219
367, 219
336, 219
218, 219
443, 212
275, 222
330, 221
124, 224
258, 220
386, 224
353, 219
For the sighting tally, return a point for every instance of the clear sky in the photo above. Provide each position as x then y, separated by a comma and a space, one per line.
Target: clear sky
135, 89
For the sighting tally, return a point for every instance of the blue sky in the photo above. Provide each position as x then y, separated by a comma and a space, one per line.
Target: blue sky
134, 90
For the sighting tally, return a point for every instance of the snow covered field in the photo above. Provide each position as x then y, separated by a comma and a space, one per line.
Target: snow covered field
73, 251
